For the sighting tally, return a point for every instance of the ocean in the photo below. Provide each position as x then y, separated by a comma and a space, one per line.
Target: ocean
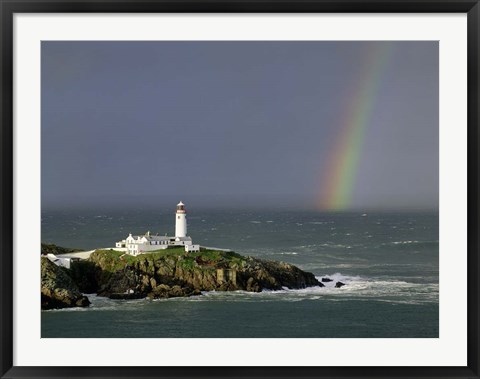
389, 262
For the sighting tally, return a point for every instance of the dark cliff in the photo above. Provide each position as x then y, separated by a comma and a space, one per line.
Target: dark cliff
163, 274
58, 290
172, 272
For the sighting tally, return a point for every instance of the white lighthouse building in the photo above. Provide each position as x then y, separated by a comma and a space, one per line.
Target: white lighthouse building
181, 220
135, 245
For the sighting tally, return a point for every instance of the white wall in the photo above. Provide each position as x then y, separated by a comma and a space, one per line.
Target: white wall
180, 225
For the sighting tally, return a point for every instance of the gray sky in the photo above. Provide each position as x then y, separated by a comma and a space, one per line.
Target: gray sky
237, 123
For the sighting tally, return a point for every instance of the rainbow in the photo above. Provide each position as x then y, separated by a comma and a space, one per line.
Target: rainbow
338, 178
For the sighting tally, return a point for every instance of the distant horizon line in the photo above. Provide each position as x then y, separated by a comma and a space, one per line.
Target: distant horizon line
200, 208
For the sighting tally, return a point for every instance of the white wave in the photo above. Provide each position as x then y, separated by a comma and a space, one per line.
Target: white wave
345, 265
357, 288
341, 277
74, 309
407, 242
395, 291
334, 245
100, 303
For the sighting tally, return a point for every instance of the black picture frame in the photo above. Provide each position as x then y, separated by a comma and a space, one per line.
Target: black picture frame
8, 8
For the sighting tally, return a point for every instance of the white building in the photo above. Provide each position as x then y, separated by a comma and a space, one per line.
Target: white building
62, 261
136, 245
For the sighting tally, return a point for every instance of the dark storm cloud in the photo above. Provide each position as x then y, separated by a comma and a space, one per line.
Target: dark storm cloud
242, 123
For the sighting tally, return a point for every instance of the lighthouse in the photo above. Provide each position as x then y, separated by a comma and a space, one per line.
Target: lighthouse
180, 221
141, 244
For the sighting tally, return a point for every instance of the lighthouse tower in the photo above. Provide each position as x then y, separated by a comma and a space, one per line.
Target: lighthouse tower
181, 221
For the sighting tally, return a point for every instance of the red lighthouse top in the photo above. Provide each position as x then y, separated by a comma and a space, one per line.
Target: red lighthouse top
181, 208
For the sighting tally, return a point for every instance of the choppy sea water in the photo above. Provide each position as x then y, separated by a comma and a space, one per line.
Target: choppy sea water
389, 262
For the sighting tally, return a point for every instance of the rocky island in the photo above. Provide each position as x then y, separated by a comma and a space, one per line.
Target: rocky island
159, 266
163, 274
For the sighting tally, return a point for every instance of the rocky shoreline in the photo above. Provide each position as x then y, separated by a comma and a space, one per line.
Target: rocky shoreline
165, 274
58, 290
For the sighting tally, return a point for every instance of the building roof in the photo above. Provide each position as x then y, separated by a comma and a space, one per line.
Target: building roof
156, 238
149, 237
182, 238
163, 238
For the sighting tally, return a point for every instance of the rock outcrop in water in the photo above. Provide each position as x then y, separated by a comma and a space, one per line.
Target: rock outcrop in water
58, 290
174, 273
163, 274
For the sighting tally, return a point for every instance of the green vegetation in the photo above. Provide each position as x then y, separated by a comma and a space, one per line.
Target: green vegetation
207, 259
112, 260
50, 248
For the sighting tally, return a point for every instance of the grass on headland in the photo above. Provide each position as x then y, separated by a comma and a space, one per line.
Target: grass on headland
50, 248
113, 260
